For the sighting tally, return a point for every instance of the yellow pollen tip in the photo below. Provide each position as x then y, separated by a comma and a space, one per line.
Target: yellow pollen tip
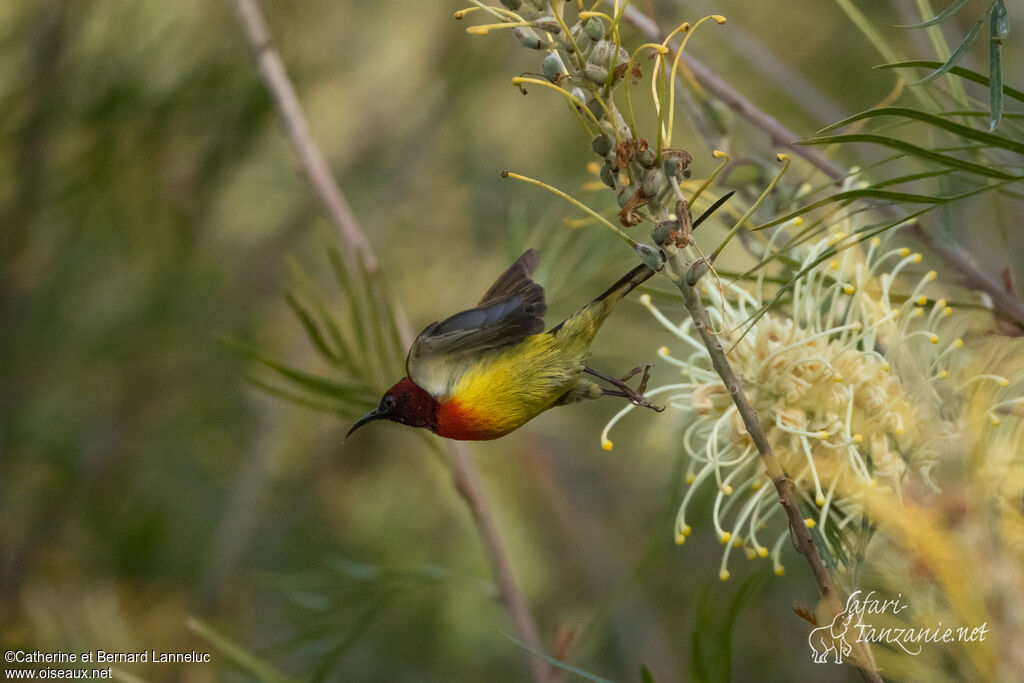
664, 351
690, 476
718, 18
995, 420
823, 434
762, 552
858, 438
718, 154
738, 542
1003, 382
931, 274
727, 490
946, 312
686, 530
940, 303
886, 367
809, 523
904, 252
943, 374
849, 289
680, 539
751, 554
820, 501
798, 221
922, 300
917, 313
781, 157
645, 299
725, 537
898, 430
724, 575
780, 570
916, 258
838, 378
757, 485
834, 265
459, 14
897, 312
876, 242
958, 343
606, 445
933, 338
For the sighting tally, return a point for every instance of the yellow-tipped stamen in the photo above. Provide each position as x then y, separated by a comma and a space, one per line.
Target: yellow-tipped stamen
717, 18
784, 160
718, 154
577, 103
626, 238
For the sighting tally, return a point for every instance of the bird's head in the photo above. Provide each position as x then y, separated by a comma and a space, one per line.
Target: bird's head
405, 403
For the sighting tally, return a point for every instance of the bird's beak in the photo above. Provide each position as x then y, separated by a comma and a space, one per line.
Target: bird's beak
375, 414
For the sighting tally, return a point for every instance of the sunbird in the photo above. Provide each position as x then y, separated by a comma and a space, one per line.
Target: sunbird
487, 371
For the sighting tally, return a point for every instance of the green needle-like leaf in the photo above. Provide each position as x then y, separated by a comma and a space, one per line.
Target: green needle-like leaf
960, 71
940, 17
960, 51
913, 150
958, 129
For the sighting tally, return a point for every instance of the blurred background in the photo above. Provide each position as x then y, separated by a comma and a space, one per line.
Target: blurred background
151, 203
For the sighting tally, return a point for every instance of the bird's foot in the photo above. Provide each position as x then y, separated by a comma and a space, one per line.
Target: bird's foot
634, 396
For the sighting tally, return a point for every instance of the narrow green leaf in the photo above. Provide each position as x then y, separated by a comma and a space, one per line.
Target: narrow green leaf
311, 327
358, 407
311, 382
960, 51
960, 71
998, 30
556, 662
938, 122
940, 17
914, 150
848, 195
259, 669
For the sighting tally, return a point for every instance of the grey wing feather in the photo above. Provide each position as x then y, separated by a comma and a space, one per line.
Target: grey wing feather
511, 310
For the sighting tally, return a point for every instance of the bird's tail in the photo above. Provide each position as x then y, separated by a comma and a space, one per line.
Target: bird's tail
626, 284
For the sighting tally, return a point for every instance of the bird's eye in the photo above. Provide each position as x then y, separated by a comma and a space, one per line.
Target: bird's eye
388, 403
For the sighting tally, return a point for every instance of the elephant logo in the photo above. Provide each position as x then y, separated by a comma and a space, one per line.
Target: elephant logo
831, 639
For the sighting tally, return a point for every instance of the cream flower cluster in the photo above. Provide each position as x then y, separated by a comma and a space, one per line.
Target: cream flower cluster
846, 379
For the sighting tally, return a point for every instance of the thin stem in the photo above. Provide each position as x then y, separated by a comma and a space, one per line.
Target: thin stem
783, 484
465, 474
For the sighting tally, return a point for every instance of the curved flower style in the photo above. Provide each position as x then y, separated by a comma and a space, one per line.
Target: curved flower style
846, 385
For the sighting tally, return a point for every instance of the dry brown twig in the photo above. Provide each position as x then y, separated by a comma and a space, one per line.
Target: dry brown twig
465, 474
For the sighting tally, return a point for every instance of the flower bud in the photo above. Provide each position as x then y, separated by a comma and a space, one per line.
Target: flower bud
647, 157
696, 271
608, 175
552, 67
601, 145
594, 28
661, 234
654, 182
596, 74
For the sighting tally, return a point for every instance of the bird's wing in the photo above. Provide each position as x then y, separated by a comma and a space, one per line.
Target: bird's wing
511, 310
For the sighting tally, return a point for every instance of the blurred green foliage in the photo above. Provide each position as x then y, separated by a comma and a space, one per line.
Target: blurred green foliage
150, 200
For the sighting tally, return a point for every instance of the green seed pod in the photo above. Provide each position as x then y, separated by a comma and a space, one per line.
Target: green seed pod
529, 39
608, 176
601, 145
654, 182
602, 53
647, 157
595, 108
625, 194
595, 28
547, 23
649, 255
672, 168
552, 66
696, 271
595, 74
660, 233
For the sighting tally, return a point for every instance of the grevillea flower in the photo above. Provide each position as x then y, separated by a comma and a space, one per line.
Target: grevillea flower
847, 379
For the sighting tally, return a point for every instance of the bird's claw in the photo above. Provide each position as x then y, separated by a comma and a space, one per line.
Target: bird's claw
634, 396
